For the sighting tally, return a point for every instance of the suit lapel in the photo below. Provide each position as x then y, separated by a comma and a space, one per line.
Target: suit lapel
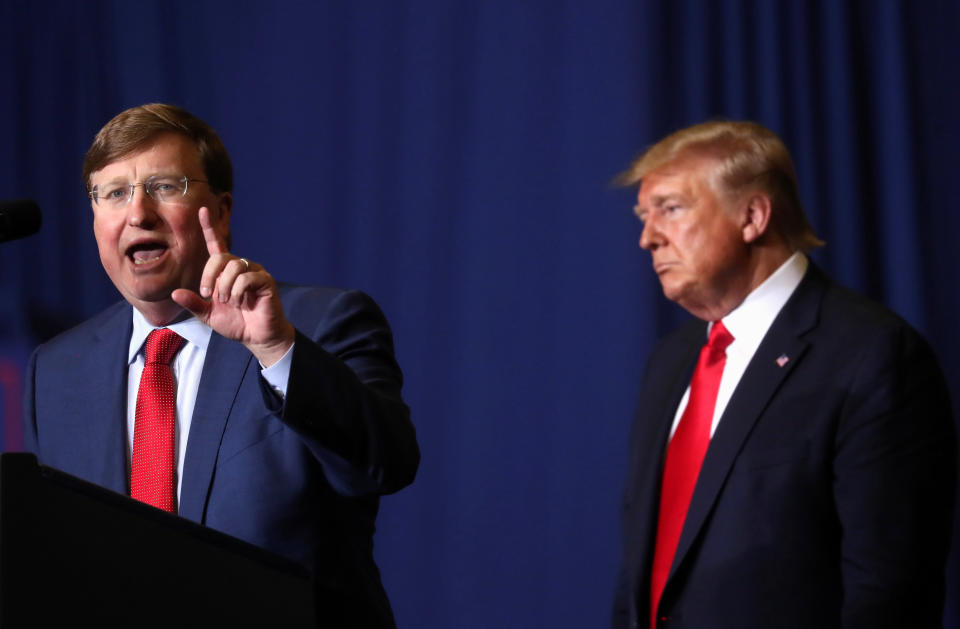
102, 439
670, 373
224, 368
763, 377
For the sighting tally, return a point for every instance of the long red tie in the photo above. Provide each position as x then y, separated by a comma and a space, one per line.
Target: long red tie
153, 469
685, 455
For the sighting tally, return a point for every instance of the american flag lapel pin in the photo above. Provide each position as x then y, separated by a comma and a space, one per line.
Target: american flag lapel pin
782, 360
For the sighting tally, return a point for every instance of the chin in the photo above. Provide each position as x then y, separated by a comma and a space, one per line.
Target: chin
672, 291
149, 294
685, 299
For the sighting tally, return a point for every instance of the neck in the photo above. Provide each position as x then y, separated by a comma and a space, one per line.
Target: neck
161, 314
764, 260
767, 259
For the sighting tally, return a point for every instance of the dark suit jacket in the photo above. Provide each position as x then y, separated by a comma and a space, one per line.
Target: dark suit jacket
300, 478
825, 498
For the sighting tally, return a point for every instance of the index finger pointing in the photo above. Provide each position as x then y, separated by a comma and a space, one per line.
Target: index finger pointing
215, 244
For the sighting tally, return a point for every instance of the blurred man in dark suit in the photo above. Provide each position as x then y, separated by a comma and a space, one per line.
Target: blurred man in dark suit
266, 411
793, 456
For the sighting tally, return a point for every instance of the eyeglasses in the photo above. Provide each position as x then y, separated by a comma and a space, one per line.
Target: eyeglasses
162, 189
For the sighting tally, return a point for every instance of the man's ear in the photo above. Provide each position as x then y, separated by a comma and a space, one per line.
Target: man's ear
756, 220
224, 205
222, 218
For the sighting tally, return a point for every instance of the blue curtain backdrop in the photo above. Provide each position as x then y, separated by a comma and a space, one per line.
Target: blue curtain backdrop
453, 159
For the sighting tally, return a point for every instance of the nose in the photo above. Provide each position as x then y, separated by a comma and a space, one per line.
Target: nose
141, 209
651, 237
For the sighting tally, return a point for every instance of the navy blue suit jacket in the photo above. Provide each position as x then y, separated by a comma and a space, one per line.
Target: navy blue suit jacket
300, 477
826, 495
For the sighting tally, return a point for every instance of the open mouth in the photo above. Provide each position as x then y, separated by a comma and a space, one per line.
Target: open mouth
146, 252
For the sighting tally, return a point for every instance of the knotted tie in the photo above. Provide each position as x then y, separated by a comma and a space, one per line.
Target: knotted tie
685, 455
153, 468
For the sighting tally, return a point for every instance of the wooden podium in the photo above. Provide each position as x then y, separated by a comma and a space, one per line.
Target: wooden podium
74, 554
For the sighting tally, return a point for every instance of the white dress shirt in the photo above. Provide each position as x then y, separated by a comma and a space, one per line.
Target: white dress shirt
748, 323
187, 367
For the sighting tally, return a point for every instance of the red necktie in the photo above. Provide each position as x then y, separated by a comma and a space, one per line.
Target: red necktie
153, 471
685, 456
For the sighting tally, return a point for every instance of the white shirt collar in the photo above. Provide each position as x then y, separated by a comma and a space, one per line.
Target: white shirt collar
749, 322
191, 329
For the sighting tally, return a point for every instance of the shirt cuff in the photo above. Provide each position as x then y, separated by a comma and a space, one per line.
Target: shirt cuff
277, 375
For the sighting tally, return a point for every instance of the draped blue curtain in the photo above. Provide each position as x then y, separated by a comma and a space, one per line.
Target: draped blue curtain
453, 159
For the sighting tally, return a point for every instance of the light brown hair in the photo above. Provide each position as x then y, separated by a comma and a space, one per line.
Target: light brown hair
134, 129
746, 154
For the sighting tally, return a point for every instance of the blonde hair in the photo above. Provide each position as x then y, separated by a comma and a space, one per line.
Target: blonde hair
746, 154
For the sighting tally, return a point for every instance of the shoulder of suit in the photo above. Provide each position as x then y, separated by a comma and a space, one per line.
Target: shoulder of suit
296, 296
87, 330
847, 323
305, 305
844, 307
294, 293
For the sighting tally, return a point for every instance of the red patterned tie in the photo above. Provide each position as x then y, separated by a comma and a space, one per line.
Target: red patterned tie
685, 456
153, 471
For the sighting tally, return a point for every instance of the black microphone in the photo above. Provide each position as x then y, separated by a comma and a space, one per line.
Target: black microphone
18, 219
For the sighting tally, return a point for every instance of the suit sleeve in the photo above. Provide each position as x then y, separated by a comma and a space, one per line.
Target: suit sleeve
894, 475
343, 397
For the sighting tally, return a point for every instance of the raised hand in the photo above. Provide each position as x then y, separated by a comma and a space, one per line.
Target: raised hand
239, 300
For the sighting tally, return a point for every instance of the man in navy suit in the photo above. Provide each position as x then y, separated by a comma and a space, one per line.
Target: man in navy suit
823, 491
289, 419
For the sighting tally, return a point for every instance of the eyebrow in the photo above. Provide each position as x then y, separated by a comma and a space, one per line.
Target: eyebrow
109, 181
124, 180
658, 200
